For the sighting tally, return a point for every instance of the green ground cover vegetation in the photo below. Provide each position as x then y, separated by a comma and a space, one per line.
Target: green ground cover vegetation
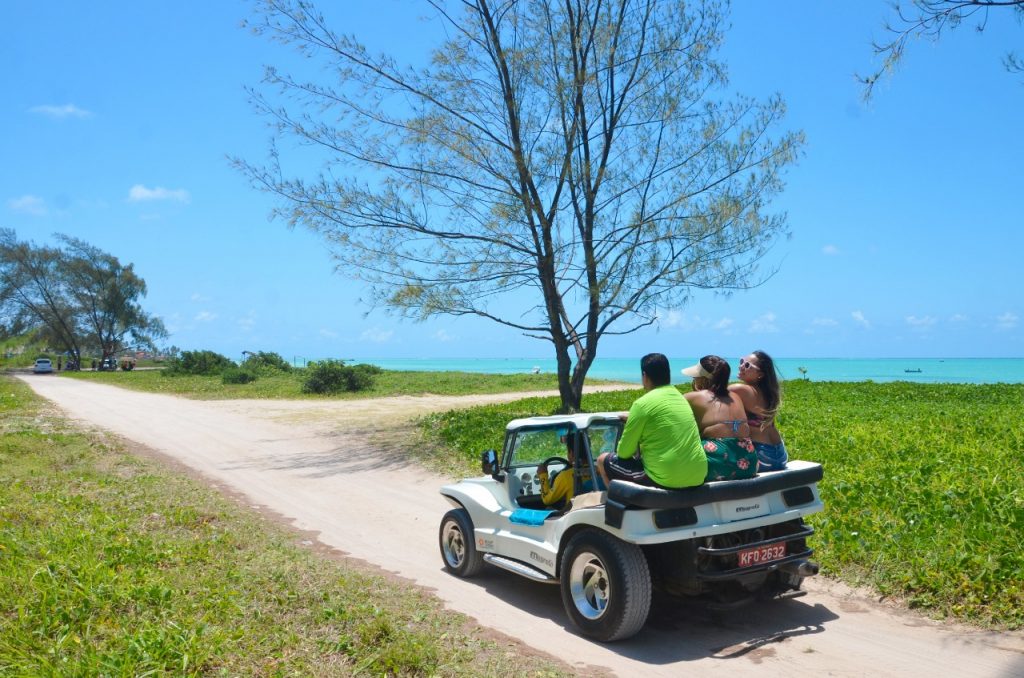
111, 564
923, 487
290, 384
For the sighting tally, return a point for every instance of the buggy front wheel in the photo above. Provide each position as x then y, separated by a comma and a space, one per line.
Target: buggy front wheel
457, 548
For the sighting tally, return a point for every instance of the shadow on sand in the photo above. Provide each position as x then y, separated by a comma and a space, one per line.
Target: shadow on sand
677, 629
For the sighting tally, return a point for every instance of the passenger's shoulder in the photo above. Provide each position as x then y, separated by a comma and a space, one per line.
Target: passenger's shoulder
745, 392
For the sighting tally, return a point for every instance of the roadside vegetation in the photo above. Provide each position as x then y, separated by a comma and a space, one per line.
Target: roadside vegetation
111, 564
290, 384
923, 487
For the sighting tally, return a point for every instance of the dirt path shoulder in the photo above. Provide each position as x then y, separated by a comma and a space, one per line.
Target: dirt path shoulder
313, 462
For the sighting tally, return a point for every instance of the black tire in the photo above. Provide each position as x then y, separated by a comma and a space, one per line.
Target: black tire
606, 585
458, 551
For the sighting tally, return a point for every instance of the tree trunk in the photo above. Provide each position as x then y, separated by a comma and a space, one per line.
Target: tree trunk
570, 397
571, 378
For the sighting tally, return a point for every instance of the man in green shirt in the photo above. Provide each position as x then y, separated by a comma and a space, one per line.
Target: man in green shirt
661, 424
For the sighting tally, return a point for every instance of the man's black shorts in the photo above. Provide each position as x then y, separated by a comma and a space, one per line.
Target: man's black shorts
631, 469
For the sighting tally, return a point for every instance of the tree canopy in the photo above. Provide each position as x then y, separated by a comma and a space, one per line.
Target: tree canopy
930, 19
75, 297
569, 155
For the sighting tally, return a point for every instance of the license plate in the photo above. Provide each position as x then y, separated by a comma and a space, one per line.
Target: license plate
762, 554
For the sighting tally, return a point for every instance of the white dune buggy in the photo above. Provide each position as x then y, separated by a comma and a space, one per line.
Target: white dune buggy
729, 542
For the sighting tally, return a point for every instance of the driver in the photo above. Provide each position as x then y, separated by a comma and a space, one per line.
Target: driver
560, 492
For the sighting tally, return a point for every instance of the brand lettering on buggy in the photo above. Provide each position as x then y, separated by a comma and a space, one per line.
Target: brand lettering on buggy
744, 509
539, 558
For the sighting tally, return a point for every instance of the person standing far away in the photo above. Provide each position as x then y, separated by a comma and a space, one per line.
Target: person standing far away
660, 444
762, 396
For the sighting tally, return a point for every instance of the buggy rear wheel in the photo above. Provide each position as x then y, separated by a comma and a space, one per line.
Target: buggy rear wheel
606, 585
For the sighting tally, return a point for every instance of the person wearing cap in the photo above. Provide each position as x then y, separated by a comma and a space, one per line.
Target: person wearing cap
660, 445
724, 432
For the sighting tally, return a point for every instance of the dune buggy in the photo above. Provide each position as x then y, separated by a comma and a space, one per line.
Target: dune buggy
728, 542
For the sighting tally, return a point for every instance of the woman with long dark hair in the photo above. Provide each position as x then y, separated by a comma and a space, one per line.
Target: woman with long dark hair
721, 420
761, 395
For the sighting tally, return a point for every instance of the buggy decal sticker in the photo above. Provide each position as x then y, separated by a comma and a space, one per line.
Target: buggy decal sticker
541, 559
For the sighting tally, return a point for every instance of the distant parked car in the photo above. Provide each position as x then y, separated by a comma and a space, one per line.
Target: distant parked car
43, 366
108, 365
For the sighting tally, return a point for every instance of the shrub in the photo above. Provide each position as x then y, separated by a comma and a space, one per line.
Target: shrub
263, 362
234, 375
334, 376
199, 363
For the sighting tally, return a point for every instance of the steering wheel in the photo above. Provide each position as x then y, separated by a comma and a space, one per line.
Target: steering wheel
551, 460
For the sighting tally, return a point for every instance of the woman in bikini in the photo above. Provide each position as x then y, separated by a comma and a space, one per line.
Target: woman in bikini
722, 421
762, 397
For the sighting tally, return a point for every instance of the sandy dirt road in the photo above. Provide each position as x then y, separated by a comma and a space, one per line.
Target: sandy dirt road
322, 466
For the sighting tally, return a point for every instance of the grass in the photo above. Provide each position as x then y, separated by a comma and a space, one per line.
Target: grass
923, 488
111, 564
289, 385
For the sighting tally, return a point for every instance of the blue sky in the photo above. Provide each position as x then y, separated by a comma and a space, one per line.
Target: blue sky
905, 212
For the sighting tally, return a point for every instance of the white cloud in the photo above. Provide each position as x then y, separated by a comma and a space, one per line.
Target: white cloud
922, 323
139, 193
376, 335
691, 323
830, 250
958, 318
1007, 321
64, 111
442, 335
205, 317
29, 204
196, 296
824, 322
671, 319
764, 323
247, 322
328, 334
858, 317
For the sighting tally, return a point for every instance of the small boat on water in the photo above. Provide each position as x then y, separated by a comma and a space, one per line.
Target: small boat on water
914, 371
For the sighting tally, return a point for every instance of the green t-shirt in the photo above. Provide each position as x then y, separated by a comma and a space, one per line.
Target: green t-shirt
662, 424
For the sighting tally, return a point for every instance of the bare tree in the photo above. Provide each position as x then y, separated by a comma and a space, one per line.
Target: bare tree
568, 153
930, 19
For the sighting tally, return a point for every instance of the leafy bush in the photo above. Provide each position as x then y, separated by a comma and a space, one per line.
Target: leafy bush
199, 363
234, 375
263, 362
334, 376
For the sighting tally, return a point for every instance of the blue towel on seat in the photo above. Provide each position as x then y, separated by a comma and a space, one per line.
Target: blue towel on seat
529, 516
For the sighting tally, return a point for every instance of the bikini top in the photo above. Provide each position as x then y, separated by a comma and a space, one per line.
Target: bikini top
735, 424
757, 421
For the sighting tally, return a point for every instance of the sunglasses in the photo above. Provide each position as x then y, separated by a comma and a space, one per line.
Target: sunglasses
748, 365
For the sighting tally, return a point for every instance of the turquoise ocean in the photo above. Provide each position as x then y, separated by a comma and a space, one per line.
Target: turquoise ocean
919, 370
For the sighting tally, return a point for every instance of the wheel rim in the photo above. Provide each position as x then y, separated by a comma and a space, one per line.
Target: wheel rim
454, 545
588, 585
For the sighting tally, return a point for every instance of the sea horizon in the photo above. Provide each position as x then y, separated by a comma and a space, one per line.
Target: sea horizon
918, 370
